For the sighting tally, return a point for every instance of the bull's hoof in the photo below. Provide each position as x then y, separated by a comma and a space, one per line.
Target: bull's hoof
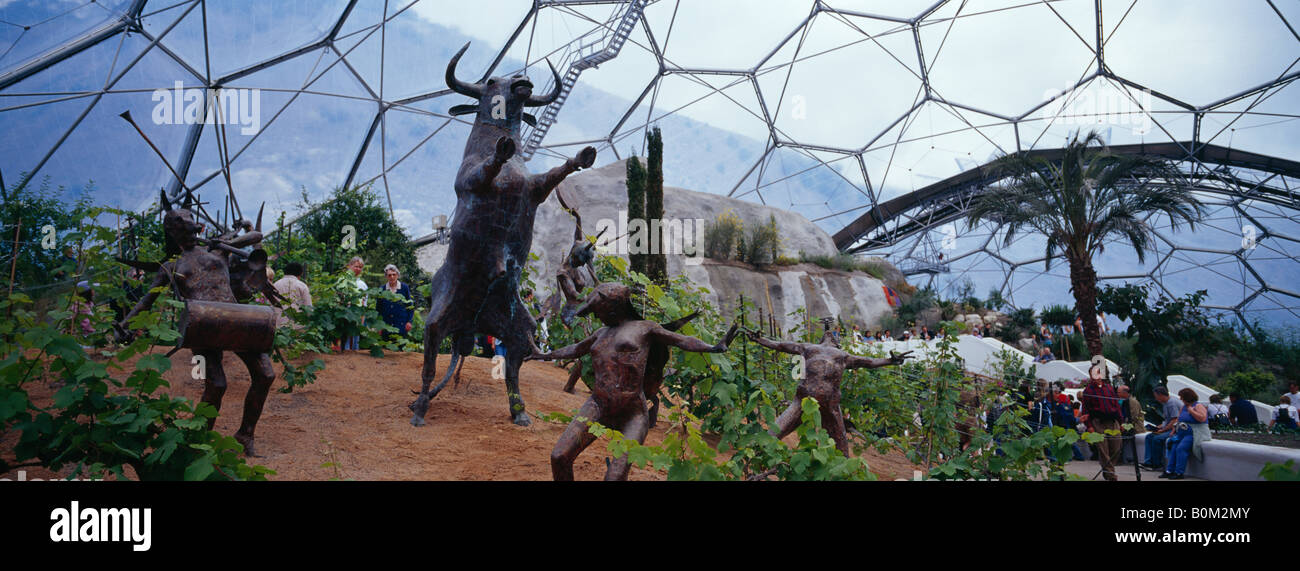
521, 419
587, 157
247, 443
505, 149
418, 409
570, 390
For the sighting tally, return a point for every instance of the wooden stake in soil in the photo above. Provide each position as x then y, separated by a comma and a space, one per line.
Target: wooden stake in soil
13, 266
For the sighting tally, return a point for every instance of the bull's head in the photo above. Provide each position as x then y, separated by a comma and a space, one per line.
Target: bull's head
501, 100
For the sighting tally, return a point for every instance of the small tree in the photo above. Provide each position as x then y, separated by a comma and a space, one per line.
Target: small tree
636, 186
656, 259
373, 235
1079, 203
1158, 327
1249, 382
722, 236
763, 243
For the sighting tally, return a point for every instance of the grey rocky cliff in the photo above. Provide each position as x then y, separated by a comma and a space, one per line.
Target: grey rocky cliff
600, 196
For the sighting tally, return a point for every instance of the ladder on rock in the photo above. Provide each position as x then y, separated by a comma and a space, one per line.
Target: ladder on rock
594, 48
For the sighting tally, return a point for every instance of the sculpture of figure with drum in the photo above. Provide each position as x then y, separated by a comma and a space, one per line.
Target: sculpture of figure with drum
623, 354
823, 368
477, 288
213, 277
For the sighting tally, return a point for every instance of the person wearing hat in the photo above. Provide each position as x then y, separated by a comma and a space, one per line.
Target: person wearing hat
396, 313
1103, 410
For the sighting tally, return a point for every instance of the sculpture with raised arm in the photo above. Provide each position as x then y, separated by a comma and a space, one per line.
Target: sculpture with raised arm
477, 288
623, 354
215, 276
823, 368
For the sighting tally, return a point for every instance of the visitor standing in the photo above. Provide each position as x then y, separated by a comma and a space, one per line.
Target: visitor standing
396, 314
1293, 393
356, 265
1133, 416
1101, 405
295, 290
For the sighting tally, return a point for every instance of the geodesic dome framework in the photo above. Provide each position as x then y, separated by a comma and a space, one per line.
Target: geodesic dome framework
832, 108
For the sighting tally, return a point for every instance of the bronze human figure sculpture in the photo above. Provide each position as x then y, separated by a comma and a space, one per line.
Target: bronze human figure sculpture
477, 288
623, 354
823, 368
218, 270
574, 275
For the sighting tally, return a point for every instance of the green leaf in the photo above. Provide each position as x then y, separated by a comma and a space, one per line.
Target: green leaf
12, 404
154, 362
68, 395
200, 469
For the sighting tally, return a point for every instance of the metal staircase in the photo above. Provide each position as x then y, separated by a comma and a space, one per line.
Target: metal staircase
593, 48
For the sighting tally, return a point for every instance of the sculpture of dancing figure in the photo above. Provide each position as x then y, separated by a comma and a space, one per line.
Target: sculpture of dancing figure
622, 353
477, 288
823, 365
209, 274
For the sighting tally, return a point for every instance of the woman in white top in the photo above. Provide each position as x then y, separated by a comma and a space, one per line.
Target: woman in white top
1216, 408
356, 265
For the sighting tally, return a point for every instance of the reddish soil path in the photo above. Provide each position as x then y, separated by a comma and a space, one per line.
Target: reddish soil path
353, 424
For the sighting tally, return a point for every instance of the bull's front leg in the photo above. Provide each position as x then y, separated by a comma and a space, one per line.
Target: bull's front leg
480, 176
542, 184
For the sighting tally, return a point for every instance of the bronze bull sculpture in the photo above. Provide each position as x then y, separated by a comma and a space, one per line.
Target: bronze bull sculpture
477, 288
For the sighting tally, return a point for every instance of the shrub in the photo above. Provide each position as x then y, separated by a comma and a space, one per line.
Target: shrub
1057, 315
845, 263
1251, 382
374, 235
764, 243
723, 236
99, 424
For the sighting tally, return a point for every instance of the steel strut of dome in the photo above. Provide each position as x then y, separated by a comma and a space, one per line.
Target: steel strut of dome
876, 226
613, 33
576, 54
1209, 170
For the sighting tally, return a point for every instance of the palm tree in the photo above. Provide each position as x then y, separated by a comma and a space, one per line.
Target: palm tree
1091, 196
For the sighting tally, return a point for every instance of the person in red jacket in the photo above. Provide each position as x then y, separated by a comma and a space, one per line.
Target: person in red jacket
1102, 406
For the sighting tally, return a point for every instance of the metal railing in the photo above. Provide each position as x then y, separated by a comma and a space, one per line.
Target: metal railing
593, 48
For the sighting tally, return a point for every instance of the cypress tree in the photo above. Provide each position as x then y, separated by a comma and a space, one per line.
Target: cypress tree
636, 186
657, 261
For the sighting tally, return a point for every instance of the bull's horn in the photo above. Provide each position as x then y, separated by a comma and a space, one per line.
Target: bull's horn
258, 227
471, 89
535, 101
163, 203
